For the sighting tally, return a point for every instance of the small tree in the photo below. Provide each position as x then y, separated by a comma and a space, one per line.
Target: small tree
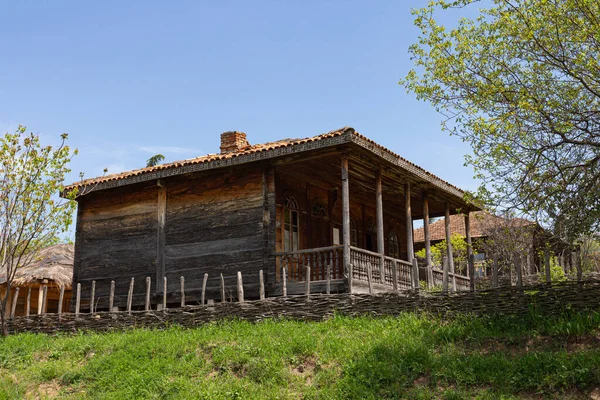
459, 252
31, 213
154, 160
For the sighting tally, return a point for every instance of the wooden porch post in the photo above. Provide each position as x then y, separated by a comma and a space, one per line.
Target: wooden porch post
410, 249
427, 240
449, 246
346, 220
380, 237
471, 264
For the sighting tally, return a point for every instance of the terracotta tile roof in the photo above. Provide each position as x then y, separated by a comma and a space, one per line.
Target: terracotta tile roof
265, 147
479, 221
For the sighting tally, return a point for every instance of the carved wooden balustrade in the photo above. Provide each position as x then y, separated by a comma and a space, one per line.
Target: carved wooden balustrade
365, 263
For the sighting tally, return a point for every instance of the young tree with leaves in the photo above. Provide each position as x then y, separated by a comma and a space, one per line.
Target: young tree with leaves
521, 84
31, 213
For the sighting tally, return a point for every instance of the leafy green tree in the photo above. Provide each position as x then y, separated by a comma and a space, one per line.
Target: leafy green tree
31, 213
154, 160
520, 83
459, 252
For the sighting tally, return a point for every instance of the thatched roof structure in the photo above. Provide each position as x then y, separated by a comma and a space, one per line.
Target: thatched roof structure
53, 263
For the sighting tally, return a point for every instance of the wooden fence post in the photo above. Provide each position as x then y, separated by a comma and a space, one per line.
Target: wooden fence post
14, 303
130, 295
44, 299
445, 275
148, 286
519, 270
328, 287
472, 272
78, 299
240, 287
28, 302
547, 263
307, 282
164, 304
261, 282
223, 296
111, 297
182, 281
395, 275
61, 297
370, 277
93, 297
284, 282
495, 271
416, 272
203, 295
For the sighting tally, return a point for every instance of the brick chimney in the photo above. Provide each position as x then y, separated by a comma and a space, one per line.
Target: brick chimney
233, 141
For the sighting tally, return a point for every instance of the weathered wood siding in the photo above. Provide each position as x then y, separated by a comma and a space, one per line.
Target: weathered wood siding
214, 225
116, 240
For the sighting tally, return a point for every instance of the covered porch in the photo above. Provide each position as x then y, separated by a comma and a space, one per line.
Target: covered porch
344, 223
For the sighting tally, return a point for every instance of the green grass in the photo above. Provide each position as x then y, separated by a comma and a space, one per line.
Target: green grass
411, 356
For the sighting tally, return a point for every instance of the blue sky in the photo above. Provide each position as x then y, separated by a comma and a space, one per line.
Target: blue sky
129, 79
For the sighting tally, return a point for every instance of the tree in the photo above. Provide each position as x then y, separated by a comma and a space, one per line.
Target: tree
521, 84
154, 160
31, 213
459, 252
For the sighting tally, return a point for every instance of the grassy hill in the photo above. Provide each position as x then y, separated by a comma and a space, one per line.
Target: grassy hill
411, 356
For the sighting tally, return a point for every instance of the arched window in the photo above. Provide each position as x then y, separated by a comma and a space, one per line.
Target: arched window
393, 245
290, 226
353, 233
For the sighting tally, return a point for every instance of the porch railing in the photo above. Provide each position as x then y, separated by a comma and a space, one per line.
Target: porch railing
365, 262
320, 260
462, 282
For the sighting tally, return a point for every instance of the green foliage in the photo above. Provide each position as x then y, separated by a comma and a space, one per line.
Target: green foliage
520, 84
439, 250
31, 214
154, 160
557, 274
409, 356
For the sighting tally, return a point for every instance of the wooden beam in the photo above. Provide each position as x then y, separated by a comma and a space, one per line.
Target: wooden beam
346, 220
471, 268
449, 246
380, 235
160, 236
410, 248
427, 240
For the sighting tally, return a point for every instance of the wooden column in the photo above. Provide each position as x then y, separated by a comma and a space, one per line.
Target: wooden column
449, 246
160, 235
471, 264
346, 220
547, 263
380, 235
410, 248
269, 209
427, 240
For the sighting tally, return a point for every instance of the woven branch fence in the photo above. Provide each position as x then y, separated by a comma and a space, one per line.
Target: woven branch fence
544, 299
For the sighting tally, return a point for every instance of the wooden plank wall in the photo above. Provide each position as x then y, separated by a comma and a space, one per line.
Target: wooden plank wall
116, 240
214, 225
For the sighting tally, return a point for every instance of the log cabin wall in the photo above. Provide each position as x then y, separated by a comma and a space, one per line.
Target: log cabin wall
214, 222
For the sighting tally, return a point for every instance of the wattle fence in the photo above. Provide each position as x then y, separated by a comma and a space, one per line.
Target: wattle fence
543, 299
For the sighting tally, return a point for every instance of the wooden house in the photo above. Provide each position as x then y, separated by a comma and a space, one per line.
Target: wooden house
338, 203
36, 287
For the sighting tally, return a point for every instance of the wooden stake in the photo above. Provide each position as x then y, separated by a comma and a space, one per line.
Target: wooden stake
284, 282
78, 299
182, 281
28, 302
93, 297
445, 275
130, 295
547, 263
61, 297
45, 300
164, 304
495, 271
370, 277
328, 287
14, 303
261, 282
472, 273
111, 297
223, 297
148, 286
240, 287
395, 275
307, 282
519, 270
203, 295
449, 246
416, 272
